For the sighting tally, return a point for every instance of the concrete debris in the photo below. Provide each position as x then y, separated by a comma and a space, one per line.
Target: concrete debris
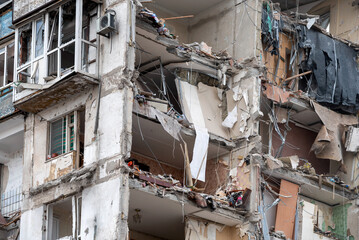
231, 118
74, 176
275, 93
244, 126
332, 131
293, 161
168, 123
307, 168
168, 185
273, 163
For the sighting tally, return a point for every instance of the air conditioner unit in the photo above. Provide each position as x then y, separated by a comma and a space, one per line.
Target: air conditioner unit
106, 24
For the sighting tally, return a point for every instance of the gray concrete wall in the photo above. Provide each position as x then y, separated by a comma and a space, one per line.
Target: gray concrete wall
231, 25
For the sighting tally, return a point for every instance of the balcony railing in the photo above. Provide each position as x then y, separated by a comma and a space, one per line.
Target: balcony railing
11, 201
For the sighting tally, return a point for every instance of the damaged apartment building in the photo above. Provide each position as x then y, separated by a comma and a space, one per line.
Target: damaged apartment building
163, 119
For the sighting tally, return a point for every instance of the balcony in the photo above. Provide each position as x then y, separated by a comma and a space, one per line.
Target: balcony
56, 55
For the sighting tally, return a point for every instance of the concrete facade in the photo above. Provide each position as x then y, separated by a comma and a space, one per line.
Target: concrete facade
186, 120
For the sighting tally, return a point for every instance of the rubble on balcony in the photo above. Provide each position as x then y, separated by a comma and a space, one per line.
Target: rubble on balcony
195, 105
234, 200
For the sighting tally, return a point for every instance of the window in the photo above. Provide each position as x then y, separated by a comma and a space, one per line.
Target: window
61, 216
30, 51
6, 64
67, 134
61, 48
60, 42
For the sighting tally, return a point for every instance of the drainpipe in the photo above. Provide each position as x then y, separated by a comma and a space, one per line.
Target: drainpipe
98, 75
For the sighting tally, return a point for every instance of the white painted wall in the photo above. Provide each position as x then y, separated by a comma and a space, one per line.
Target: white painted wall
101, 211
31, 224
15, 171
113, 50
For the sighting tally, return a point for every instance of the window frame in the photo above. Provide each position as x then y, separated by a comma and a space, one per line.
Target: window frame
5, 83
79, 40
34, 61
76, 127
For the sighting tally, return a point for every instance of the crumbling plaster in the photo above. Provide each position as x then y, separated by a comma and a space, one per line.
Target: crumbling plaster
41, 125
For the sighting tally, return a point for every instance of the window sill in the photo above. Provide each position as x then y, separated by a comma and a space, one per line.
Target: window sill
60, 156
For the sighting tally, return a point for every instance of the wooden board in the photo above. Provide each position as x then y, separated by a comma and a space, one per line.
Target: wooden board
286, 209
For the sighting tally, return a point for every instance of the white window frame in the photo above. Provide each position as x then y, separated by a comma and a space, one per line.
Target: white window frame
5, 82
77, 40
33, 63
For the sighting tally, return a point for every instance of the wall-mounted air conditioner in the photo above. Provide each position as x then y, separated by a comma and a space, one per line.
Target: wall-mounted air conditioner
106, 24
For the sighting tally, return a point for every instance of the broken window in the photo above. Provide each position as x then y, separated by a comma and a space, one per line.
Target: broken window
64, 219
67, 134
6, 64
30, 51
39, 38
59, 60
61, 48
89, 37
25, 39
